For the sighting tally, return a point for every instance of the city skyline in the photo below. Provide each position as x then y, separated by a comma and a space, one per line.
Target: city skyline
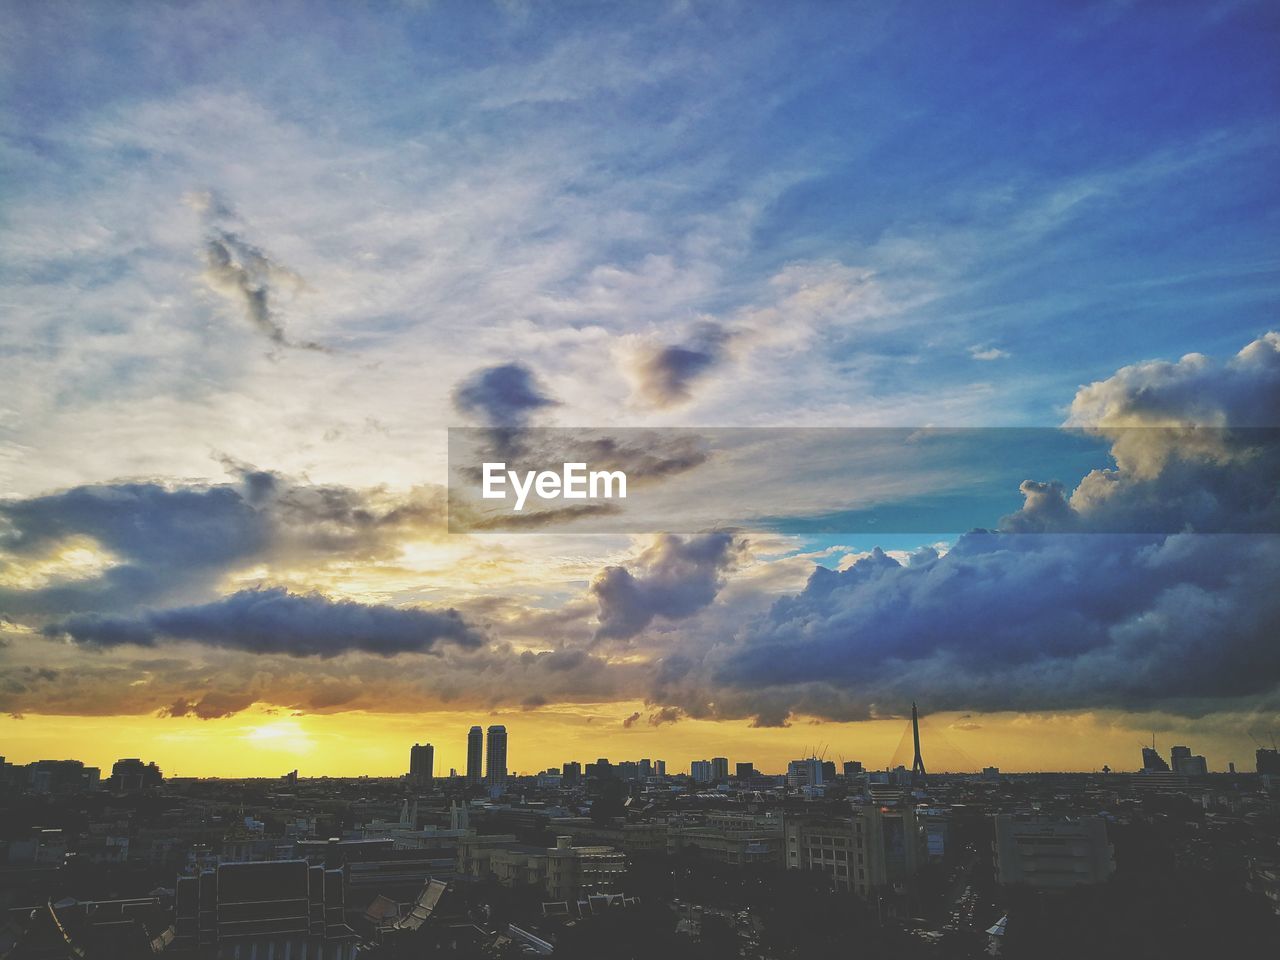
772, 760
253, 276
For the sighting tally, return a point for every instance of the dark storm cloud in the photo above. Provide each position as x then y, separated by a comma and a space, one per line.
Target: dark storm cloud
502, 396
1017, 622
276, 621
169, 541
677, 576
1183, 622
665, 375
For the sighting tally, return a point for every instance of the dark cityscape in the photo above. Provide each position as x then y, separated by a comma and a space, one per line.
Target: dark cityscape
624, 859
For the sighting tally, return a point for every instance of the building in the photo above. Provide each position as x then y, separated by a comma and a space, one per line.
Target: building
805, 773
475, 751
1050, 853
700, 771
745, 771
1268, 760
1182, 761
131, 775
1193, 766
287, 908
645, 837
496, 772
571, 773
1153, 761
736, 839
562, 872
719, 769
852, 768
422, 763
874, 851
57, 776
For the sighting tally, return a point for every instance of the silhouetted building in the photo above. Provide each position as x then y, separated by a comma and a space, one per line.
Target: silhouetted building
57, 776
1188, 764
571, 773
285, 908
1268, 760
602, 769
700, 771
745, 771
1043, 852
422, 764
496, 772
719, 769
1153, 761
852, 768
475, 755
132, 776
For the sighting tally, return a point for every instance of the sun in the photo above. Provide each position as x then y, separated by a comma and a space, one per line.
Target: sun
283, 736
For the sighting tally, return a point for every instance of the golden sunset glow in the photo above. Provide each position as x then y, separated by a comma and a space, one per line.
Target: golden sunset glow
262, 743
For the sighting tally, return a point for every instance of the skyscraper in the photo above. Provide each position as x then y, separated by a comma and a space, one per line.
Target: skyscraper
497, 769
422, 763
719, 769
475, 760
1153, 761
1268, 760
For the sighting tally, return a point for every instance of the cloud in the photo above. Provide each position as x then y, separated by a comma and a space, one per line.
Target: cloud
676, 576
243, 274
1016, 622
276, 621
211, 706
162, 541
665, 715
502, 396
1073, 618
988, 353
1196, 447
630, 721
664, 375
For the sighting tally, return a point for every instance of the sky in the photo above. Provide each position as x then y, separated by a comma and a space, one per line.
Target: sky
256, 261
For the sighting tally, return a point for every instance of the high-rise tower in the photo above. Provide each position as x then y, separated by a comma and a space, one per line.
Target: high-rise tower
475, 758
497, 769
422, 762
917, 765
